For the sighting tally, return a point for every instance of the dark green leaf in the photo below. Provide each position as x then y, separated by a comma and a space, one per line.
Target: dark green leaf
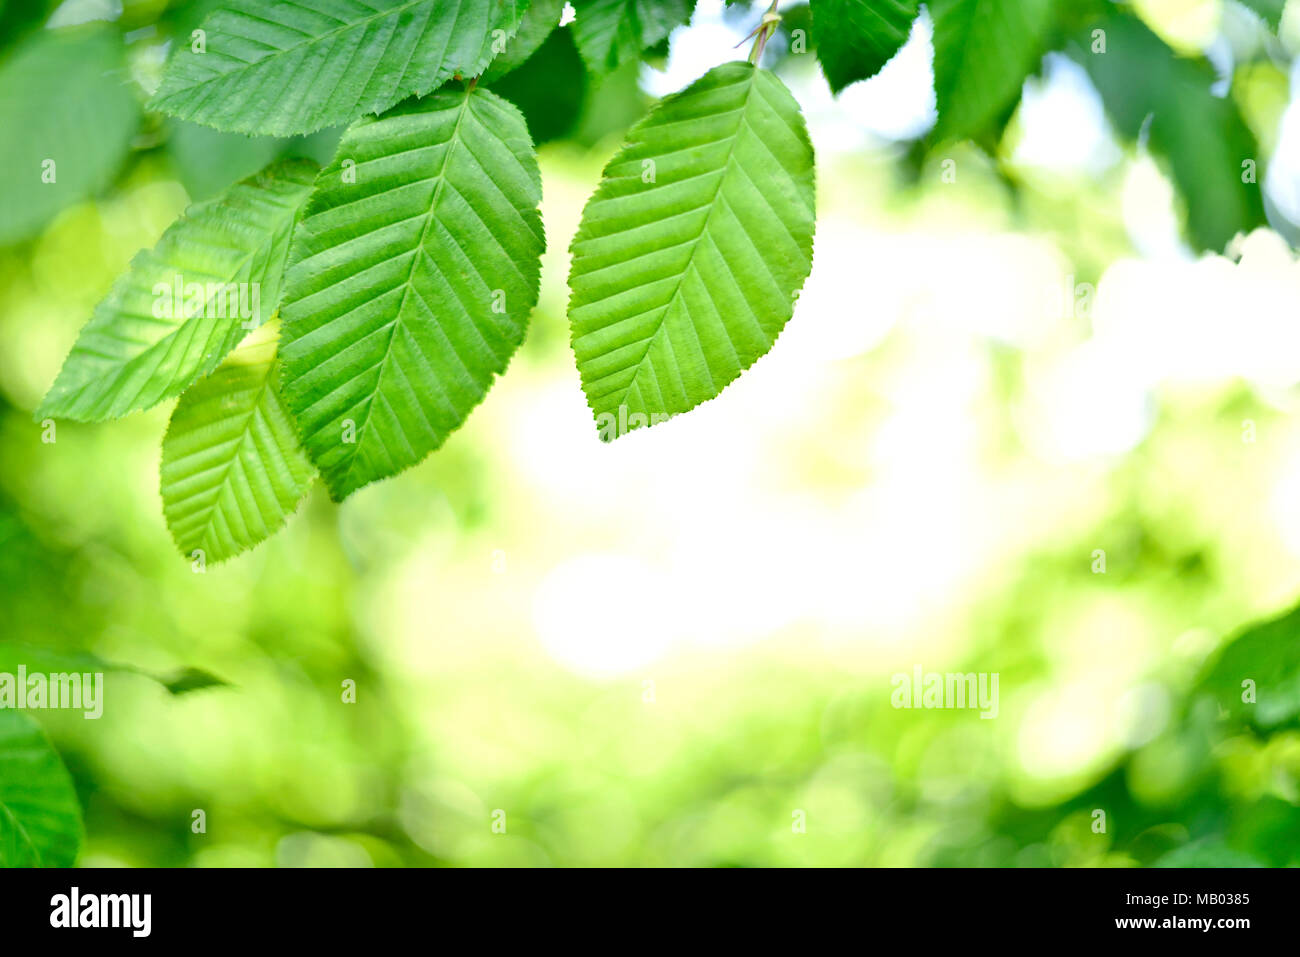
983, 51
1146, 86
1267, 655
855, 38
40, 821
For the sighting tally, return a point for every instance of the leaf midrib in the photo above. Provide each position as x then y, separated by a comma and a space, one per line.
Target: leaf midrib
452, 142
167, 340
690, 261
244, 431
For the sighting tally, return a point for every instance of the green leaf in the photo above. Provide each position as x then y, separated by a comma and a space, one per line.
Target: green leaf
232, 468
691, 251
983, 51
410, 282
234, 248
855, 38
66, 91
541, 20
608, 32
1267, 655
280, 68
40, 821
1149, 90
1270, 11
1210, 852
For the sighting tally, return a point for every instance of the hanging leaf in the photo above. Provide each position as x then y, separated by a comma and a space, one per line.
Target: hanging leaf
691, 251
1151, 92
609, 32
232, 469
282, 68
855, 38
40, 821
983, 51
410, 283
68, 116
213, 276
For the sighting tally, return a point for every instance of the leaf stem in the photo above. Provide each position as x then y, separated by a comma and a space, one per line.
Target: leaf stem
764, 31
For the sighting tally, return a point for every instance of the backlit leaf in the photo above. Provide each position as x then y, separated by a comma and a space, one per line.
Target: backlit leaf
411, 280
213, 276
232, 468
691, 251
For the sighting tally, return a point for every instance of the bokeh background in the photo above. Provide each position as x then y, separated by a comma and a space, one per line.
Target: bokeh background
673, 649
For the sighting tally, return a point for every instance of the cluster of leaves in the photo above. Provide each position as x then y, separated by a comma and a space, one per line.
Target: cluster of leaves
344, 320
984, 50
1243, 709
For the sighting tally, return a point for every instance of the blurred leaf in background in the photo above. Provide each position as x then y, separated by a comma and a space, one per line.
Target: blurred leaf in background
40, 822
69, 116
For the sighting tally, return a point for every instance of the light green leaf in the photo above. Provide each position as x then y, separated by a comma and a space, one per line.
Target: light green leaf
40, 821
691, 251
541, 20
983, 51
609, 32
227, 256
855, 38
410, 282
232, 468
281, 68
68, 116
